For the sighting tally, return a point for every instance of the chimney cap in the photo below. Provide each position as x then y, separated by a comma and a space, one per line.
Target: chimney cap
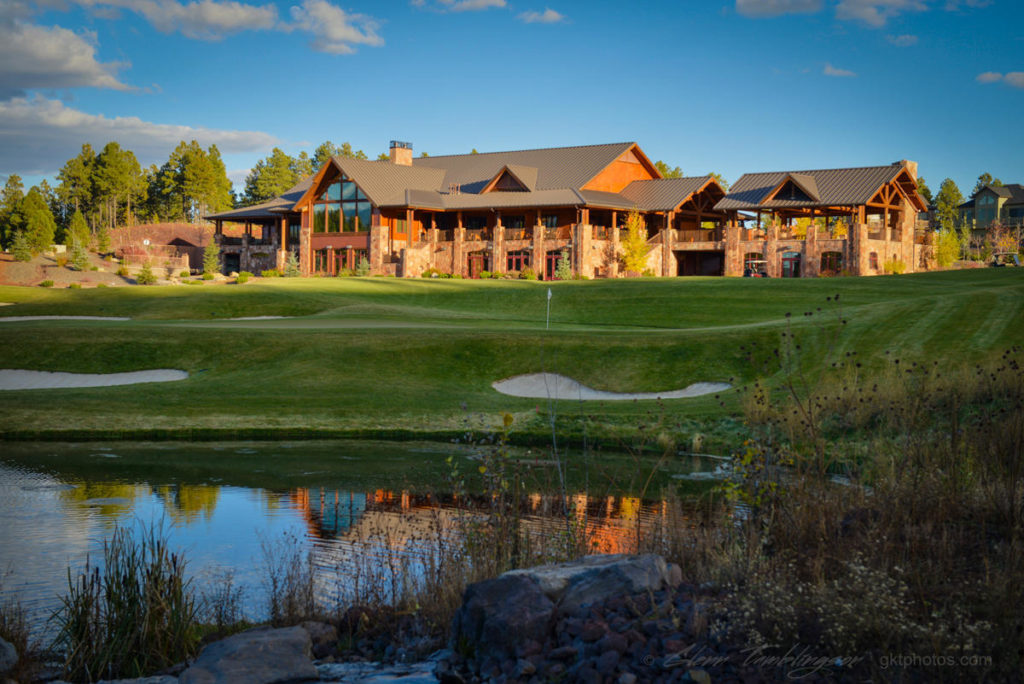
400, 144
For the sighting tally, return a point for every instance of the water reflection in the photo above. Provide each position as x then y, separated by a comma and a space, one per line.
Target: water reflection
55, 517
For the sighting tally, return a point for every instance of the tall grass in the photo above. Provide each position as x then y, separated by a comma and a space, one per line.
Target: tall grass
134, 615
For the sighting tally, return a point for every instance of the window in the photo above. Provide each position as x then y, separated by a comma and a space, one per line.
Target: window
832, 262
342, 207
873, 261
517, 261
513, 221
550, 220
475, 222
294, 231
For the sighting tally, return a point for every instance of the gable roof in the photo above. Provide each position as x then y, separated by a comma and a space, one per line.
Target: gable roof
802, 181
556, 167
271, 209
835, 187
523, 176
664, 194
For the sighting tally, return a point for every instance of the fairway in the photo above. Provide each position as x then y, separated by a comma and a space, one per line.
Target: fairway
386, 357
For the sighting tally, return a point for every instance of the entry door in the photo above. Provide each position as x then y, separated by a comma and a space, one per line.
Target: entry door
551, 264
232, 263
477, 263
791, 265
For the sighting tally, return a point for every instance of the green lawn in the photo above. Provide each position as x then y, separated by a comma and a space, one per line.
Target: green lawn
383, 356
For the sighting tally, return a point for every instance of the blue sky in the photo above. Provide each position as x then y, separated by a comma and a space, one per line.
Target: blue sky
722, 85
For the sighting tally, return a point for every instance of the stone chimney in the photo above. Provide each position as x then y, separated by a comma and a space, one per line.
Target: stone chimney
911, 167
401, 153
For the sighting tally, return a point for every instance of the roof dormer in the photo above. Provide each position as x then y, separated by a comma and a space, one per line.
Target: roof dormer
795, 187
512, 178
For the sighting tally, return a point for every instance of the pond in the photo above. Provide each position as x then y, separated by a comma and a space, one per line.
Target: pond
353, 508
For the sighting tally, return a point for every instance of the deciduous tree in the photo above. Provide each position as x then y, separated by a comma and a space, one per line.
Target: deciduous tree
634, 245
667, 171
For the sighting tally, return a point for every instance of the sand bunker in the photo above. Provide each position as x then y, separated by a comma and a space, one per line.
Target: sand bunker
28, 379
554, 386
14, 319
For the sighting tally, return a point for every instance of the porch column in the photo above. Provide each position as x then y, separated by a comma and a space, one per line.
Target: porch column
733, 257
410, 233
667, 260
459, 247
498, 245
613, 249
537, 260
771, 251
282, 250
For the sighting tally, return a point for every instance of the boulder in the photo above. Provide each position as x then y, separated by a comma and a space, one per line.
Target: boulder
259, 656
324, 637
8, 657
498, 614
596, 578
157, 679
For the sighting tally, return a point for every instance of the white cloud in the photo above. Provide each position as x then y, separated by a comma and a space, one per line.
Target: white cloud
833, 71
40, 135
876, 12
1013, 78
774, 8
334, 30
466, 5
33, 56
202, 19
905, 40
548, 16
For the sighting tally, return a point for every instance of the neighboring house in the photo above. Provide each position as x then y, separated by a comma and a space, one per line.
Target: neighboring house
828, 221
994, 204
159, 243
508, 211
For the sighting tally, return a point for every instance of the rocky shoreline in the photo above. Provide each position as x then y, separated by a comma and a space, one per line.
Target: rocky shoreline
604, 619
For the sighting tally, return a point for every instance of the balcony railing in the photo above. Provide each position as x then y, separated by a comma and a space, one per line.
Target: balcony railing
477, 234
445, 235
517, 234
226, 241
602, 233
698, 235
559, 233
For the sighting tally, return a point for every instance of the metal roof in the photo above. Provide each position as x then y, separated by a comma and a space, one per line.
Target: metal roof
385, 183
664, 194
557, 167
836, 187
270, 209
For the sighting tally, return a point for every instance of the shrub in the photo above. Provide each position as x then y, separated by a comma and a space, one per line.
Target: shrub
211, 257
243, 277
430, 273
46, 283
527, 274
62, 260
485, 275
270, 273
363, 267
208, 276
457, 276
563, 271
101, 285
94, 268
291, 266
634, 244
947, 247
75, 286
122, 271
497, 275
146, 275
21, 248
193, 282
648, 273
894, 266
345, 273
184, 274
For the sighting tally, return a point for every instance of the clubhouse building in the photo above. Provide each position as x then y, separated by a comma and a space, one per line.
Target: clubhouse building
509, 211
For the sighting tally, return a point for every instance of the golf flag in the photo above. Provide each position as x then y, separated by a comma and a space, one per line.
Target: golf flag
549, 293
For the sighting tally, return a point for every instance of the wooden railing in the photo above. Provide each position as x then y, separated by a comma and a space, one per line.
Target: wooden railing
228, 241
517, 234
477, 234
602, 233
698, 235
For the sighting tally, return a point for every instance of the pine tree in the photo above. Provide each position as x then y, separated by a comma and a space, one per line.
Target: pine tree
10, 199
270, 178
946, 203
20, 246
37, 221
211, 258
291, 266
323, 153
634, 245
924, 191
146, 276
103, 240
79, 256
363, 267
78, 230
563, 271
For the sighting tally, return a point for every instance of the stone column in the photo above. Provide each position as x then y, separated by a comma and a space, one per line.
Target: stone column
733, 249
613, 267
812, 255
378, 239
771, 252
585, 245
459, 250
537, 260
907, 228
498, 245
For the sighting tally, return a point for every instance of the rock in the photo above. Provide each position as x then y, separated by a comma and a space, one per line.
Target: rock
378, 673
8, 657
563, 653
259, 656
607, 662
524, 668
627, 678
323, 636
613, 642
158, 679
592, 631
675, 575
500, 613
596, 578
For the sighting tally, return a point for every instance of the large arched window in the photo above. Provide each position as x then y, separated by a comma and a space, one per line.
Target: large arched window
342, 207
